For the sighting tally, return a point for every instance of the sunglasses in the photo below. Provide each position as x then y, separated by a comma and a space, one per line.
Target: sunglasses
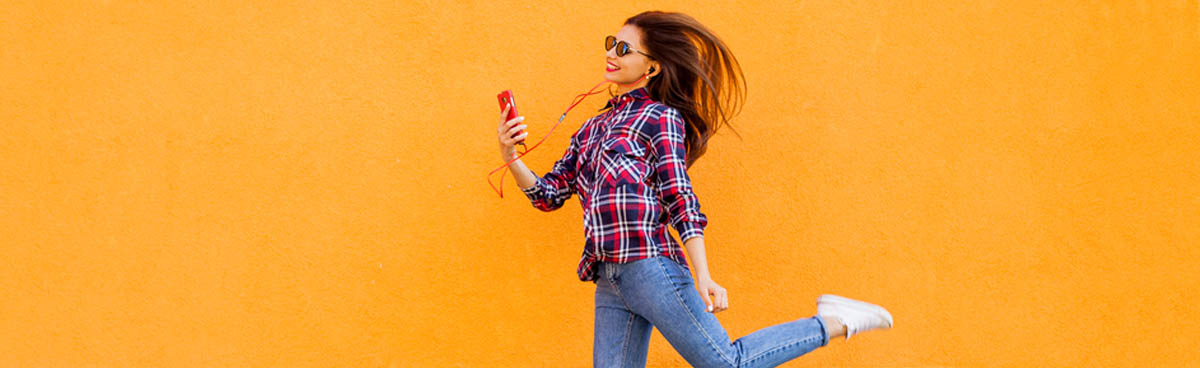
622, 47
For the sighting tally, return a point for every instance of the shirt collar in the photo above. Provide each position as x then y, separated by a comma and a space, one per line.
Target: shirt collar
637, 94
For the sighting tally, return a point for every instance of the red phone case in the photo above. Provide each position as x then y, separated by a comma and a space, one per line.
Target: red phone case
506, 98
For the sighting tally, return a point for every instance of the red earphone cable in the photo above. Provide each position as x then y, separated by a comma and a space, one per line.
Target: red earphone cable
578, 99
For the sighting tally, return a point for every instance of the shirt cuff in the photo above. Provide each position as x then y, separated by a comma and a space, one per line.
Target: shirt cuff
689, 229
532, 191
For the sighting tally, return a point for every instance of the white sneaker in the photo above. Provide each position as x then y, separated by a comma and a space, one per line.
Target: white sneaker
858, 316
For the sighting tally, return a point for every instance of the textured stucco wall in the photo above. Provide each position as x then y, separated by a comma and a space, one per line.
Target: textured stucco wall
303, 183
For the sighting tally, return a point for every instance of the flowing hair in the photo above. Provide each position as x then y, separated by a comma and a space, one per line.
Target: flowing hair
700, 77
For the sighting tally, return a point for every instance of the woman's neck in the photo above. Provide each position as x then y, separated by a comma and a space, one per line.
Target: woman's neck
625, 88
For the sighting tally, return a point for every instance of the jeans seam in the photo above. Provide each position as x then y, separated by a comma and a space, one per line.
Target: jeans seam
625, 342
612, 279
678, 298
821, 339
617, 288
781, 348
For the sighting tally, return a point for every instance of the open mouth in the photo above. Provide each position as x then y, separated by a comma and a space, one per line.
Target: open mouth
610, 67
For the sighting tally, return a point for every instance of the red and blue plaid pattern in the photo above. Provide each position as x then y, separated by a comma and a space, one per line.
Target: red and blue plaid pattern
629, 169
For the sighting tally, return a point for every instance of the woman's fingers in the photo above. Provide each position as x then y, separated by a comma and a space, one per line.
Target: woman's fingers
504, 113
719, 299
511, 141
724, 297
505, 132
716, 296
506, 128
514, 130
509, 124
707, 300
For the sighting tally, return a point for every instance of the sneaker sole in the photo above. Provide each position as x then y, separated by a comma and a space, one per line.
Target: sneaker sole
856, 304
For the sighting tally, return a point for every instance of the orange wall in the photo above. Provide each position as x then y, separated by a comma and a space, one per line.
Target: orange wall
289, 184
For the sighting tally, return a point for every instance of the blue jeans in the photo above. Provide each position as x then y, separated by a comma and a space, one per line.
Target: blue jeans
632, 298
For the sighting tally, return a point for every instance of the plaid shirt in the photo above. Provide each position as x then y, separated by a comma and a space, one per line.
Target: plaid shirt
628, 167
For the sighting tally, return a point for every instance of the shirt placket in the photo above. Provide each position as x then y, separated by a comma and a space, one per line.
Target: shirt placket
596, 143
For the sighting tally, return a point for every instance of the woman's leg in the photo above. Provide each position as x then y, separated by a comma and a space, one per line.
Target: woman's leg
621, 337
662, 292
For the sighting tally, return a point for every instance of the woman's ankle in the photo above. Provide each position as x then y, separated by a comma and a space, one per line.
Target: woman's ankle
835, 326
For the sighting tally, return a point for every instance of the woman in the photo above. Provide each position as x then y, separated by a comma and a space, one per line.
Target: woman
678, 84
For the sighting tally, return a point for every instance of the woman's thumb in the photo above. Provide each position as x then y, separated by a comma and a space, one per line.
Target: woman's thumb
707, 300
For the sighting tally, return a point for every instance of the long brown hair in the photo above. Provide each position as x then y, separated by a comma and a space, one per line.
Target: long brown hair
700, 77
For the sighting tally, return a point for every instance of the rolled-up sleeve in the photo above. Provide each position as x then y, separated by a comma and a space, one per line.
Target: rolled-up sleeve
674, 186
553, 189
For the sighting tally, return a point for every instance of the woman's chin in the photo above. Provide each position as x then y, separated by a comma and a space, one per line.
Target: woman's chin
614, 78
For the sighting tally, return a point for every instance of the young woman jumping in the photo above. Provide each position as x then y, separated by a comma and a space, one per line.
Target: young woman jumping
678, 84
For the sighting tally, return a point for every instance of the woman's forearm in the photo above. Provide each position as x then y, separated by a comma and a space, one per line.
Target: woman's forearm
524, 177
695, 251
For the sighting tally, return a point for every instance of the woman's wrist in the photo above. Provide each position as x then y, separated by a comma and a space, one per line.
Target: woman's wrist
695, 251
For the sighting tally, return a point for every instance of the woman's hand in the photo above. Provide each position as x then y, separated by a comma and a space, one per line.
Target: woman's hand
506, 133
713, 294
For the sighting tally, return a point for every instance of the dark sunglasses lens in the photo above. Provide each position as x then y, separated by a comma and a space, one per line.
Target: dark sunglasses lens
609, 42
622, 48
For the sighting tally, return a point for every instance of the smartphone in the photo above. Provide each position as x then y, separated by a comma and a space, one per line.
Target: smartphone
506, 99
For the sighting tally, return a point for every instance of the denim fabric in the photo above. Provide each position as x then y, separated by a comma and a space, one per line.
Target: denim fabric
632, 298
